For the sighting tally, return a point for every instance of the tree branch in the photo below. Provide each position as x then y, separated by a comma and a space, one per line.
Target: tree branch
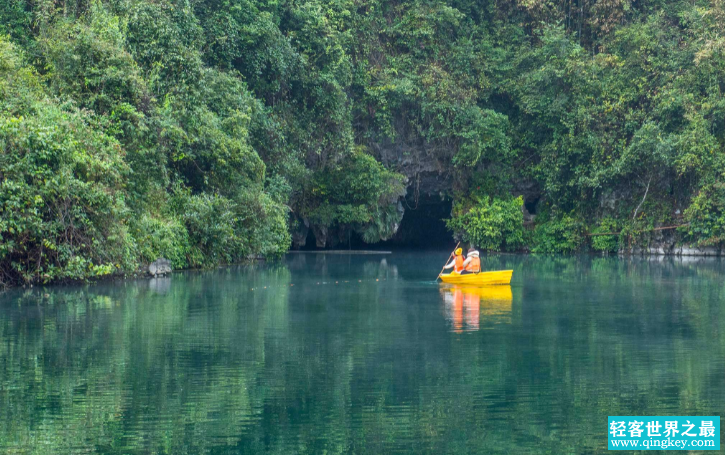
642, 202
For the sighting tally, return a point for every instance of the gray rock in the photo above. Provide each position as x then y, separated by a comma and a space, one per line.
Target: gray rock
668, 249
320, 235
299, 233
706, 251
159, 267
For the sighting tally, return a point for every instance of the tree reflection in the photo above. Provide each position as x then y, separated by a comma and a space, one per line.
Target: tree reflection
265, 360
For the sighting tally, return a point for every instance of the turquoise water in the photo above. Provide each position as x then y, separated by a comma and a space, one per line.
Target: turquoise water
361, 354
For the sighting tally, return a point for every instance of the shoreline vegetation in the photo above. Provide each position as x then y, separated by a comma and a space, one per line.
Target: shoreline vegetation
683, 254
206, 132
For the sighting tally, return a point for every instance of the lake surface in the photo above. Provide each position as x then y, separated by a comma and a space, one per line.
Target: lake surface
361, 354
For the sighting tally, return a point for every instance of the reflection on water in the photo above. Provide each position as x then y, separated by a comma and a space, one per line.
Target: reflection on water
467, 307
367, 361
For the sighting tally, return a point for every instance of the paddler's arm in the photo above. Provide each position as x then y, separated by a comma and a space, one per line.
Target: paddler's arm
451, 264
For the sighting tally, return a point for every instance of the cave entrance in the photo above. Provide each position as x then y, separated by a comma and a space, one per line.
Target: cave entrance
423, 225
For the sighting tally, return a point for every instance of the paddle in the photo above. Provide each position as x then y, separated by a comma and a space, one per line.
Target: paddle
449, 256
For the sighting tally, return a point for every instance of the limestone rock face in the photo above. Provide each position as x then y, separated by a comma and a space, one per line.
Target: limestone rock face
320, 235
160, 267
666, 249
299, 233
704, 251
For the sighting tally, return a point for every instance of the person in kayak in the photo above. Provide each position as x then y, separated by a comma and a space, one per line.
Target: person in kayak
457, 263
472, 264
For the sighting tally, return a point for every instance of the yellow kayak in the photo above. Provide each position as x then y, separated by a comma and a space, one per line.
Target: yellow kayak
482, 278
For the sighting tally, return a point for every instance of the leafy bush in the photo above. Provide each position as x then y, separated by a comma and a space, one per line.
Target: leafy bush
482, 133
264, 222
706, 216
222, 230
161, 237
210, 222
606, 243
89, 63
490, 224
561, 235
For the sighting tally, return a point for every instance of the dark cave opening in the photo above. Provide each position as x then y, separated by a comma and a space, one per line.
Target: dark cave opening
423, 226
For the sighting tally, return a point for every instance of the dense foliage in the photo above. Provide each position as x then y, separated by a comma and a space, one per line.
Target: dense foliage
207, 131
491, 225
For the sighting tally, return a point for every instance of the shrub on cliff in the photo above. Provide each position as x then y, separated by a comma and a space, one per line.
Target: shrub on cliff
489, 224
564, 234
706, 216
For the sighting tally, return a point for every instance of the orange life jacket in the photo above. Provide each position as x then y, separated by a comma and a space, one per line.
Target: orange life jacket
474, 265
458, 267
